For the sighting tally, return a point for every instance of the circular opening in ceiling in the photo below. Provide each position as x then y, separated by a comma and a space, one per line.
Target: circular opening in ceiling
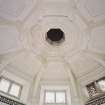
55, 36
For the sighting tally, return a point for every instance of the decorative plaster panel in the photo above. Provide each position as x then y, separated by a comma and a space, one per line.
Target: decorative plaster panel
73, 37
9, 39
12, 9
82, 65
92, 9
97, 40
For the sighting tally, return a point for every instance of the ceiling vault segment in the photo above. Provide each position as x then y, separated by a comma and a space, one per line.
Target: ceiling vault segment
10, 58
26, 48
36, 81
73, 84
95, 57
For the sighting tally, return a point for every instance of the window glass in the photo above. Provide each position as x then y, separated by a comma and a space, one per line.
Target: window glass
57, 97
4, 85
49, 97
10, 87
102, 85
15, 89
60, 97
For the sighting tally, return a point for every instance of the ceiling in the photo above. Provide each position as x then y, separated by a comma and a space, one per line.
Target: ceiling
24, 49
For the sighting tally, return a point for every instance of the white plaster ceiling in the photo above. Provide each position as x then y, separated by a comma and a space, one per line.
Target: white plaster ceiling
9, 39
81, 64
52, 74
13, 9
27, 64
74, 39
97, 36
92, 9
24, 23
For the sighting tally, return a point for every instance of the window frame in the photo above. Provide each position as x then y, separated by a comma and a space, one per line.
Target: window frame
53, 87
11, 83
55, 102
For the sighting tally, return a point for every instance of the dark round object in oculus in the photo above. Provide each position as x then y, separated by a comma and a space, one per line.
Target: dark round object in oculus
55, 35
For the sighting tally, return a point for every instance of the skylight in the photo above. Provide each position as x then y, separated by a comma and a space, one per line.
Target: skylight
96, 87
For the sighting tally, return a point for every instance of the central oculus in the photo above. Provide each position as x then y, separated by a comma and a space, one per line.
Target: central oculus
55, 36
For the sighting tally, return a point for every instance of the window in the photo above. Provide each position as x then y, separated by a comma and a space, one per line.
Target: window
4, 85
49, 97
14, 90
58, 97
55, 94
101, 84
10, 87
96, 87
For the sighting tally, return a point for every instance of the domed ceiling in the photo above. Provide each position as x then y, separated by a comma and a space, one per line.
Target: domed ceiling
24, 49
